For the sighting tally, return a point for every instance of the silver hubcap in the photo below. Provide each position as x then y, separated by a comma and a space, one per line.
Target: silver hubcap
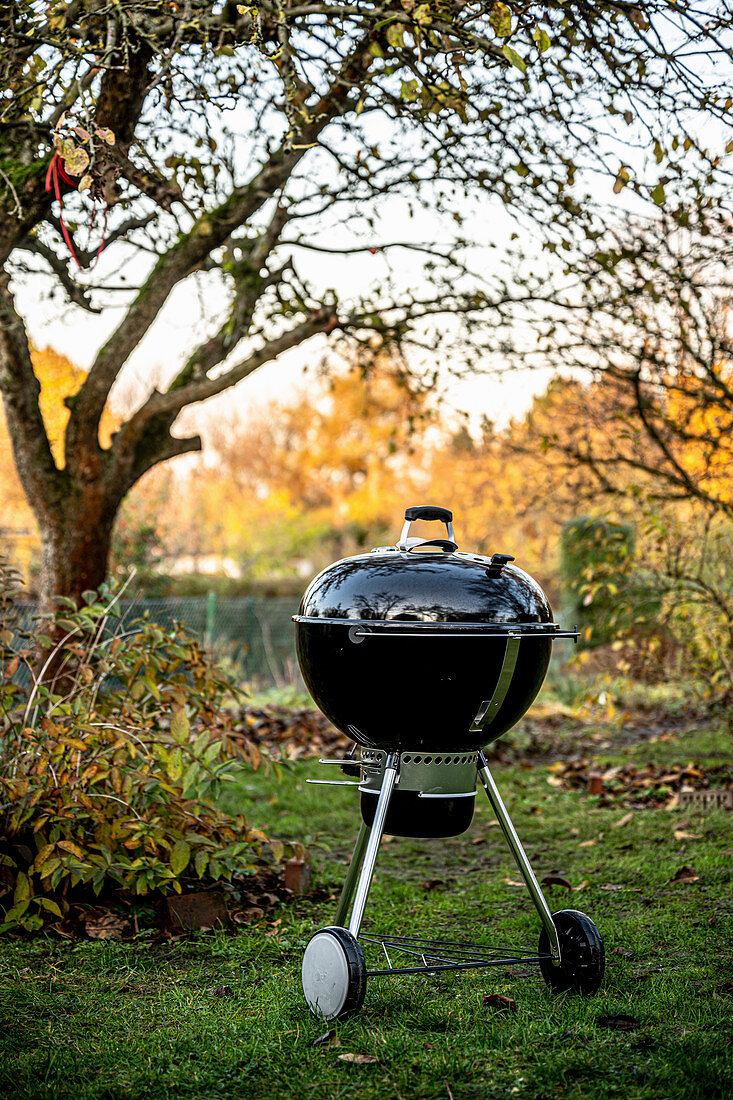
325, 976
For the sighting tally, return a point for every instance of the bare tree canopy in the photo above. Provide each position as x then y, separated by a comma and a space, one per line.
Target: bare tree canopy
654, 321
222, 141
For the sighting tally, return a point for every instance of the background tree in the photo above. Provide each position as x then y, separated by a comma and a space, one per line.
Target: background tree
318, 476
58, 379
643, 426
224, 141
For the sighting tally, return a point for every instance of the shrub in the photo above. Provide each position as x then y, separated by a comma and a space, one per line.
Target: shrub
110, 770
609, 597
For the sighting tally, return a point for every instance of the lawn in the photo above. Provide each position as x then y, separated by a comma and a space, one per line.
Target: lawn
221, 1014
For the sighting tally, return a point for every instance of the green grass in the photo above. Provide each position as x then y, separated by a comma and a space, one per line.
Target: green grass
109, 1020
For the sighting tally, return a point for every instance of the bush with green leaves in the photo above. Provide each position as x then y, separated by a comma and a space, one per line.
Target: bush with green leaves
115, 745
610, 597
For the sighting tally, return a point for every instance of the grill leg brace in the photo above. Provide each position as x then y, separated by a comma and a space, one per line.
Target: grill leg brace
372, 848
519, 854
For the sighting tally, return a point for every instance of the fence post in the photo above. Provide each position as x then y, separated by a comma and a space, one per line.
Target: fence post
210, 618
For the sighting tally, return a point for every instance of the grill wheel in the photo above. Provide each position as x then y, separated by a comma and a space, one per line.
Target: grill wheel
334, 974
581, 949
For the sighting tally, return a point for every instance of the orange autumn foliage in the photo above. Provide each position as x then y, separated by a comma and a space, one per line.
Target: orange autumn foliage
312, 479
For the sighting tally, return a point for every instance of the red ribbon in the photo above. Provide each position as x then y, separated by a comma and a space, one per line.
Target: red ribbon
55, 174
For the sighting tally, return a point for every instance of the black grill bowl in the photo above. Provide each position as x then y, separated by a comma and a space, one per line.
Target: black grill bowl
401, 649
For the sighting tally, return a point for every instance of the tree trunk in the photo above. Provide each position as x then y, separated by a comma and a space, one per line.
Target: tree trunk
75, 546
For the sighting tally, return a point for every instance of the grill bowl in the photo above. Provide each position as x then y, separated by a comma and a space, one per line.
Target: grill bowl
400, 649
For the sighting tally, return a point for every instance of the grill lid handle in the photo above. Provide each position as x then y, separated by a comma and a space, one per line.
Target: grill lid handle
428, 512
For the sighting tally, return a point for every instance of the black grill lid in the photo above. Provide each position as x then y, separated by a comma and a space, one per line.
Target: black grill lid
410, 584
418, 587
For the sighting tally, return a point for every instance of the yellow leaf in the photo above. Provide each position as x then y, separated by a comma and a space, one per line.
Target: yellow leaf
174, 766
73, 849
43, 855
180, 726
49, 867
621, 180
74, 743
501, 20
254, 754
50, 905
22, 889
180, 855
18, 789
513, 57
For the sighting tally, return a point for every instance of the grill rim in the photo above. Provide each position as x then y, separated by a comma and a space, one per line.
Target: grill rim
416, 627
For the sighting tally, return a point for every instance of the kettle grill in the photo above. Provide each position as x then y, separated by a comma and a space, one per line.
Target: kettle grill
424, 655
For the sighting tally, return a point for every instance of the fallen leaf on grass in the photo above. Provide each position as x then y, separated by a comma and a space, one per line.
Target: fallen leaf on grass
360, 1059
648, 785
618, 1023
106, 927
684, 876
244, 916
587, 844
513, 882
330, 1039
623, 820
555, 880
682, 834
582, 885
498, 1000
624, 952
222, 991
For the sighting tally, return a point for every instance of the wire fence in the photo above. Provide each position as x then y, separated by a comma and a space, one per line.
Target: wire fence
252, 636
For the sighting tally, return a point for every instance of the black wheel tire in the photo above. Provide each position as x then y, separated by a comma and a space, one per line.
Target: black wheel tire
583, 959
334, 974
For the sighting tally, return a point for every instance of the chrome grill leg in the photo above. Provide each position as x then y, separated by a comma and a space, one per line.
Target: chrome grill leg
520, 855
372, 848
